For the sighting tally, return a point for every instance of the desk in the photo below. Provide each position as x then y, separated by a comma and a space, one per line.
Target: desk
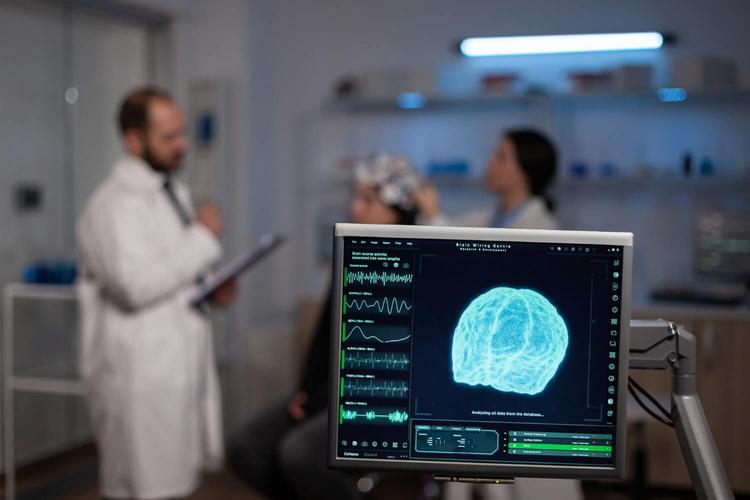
723, 336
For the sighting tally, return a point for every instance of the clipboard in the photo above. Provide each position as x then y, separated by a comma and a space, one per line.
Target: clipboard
268, 243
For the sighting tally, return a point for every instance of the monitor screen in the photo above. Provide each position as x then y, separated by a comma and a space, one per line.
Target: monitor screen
723, 244
480, 352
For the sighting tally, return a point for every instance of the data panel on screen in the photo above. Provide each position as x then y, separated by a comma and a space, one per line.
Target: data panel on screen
502, 352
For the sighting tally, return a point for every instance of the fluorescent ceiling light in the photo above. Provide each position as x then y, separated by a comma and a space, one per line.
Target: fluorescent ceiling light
559, 44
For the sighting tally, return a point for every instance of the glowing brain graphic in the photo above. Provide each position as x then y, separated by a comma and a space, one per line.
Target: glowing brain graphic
511, 340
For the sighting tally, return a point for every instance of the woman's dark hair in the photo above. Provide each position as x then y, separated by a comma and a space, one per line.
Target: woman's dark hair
538, 159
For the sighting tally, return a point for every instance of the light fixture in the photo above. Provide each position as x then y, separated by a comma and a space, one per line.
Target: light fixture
560, 44
71, 95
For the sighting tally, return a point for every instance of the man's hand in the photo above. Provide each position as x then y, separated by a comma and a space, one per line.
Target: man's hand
296, 406
225, 294
209, 216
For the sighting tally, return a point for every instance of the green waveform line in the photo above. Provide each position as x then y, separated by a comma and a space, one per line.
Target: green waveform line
384, 305
395, 417
375, 361
374, 277
372, 388
372, 337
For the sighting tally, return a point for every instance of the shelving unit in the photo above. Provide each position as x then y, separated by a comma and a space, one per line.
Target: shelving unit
58, 377
490, 101
642, 136
556, 104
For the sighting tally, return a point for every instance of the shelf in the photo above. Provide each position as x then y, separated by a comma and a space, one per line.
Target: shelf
478, 102
489, 102
65, 370
47, 386
40, 291
697, 97
457, 181
729, 183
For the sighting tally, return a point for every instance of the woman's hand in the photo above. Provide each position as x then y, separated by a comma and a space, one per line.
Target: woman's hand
225, 294
427, 200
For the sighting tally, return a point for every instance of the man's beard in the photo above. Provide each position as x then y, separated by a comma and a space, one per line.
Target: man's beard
160, 166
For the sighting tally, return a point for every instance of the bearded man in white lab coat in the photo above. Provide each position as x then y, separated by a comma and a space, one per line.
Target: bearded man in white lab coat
146, 354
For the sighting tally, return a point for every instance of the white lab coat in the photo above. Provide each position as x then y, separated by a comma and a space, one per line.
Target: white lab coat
146, 355
532, 215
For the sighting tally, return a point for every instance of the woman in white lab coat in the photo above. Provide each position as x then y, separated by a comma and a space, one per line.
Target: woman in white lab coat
520, 171
146, 354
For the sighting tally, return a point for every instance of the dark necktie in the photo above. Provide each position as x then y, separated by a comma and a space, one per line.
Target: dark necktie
181, 212
178, 208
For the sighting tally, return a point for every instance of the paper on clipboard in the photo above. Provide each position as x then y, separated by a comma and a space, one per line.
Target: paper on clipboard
268, 243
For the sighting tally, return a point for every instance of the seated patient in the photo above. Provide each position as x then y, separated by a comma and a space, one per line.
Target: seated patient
281, 452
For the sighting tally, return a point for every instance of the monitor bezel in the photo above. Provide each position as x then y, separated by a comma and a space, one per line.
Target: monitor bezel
481, 469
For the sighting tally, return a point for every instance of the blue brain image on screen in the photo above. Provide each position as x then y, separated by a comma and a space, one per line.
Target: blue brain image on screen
512, 340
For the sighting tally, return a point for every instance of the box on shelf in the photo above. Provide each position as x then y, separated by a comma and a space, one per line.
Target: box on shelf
629, 78
582, 82
705, 73
391, 83
499, 83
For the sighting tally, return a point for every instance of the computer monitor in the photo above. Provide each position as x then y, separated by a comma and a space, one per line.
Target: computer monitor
722, 245
480, 353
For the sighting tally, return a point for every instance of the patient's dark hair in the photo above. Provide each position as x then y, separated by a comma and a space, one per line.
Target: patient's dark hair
406, 216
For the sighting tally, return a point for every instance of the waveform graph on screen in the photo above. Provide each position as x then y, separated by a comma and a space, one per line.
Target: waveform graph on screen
373, 416
387, 306
369, 360
378, 334
374, 388
378, 278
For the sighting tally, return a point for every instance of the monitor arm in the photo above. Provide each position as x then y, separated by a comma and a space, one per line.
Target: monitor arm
661, 345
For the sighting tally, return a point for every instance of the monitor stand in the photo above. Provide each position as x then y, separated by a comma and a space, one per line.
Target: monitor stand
661, 345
